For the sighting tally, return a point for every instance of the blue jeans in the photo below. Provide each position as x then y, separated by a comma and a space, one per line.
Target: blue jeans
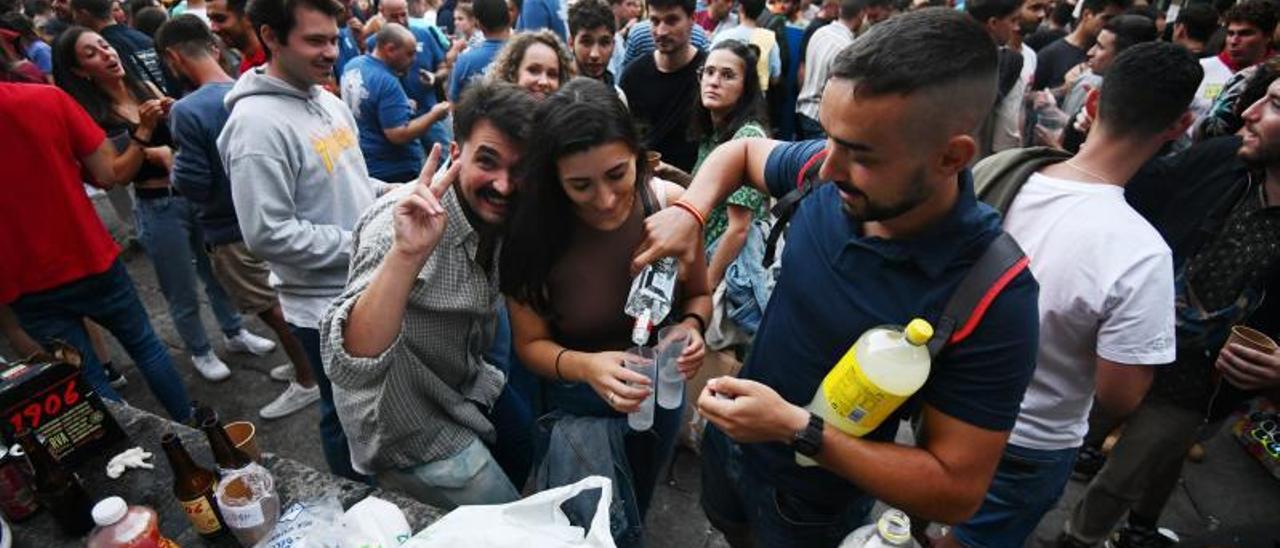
174, 242
470, 477
110, 300
647, 452
1028, 482
333, 440
744, 505
512, 414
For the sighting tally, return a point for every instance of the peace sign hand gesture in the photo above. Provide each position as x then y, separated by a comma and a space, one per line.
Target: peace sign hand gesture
419, 219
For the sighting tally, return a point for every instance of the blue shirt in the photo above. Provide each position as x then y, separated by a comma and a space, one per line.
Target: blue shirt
41, 55
472, 64
347, 50
429, 57
543, 14
836, 283
640, 42
195, 122
377, 100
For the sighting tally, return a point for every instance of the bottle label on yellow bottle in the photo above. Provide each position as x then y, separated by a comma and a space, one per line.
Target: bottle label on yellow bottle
200, 512
852, 395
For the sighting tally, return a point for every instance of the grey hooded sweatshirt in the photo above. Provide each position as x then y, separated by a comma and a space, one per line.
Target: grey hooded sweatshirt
299, 184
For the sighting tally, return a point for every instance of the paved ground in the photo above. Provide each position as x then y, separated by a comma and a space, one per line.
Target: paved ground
1227, 492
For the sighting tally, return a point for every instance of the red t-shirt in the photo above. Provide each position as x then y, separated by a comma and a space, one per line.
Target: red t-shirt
249, 61
50, 234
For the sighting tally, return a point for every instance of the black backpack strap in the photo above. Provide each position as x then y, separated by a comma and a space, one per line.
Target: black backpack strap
782, 211
1000, 264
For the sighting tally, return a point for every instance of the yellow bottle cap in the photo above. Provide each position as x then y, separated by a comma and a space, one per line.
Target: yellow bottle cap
919, 332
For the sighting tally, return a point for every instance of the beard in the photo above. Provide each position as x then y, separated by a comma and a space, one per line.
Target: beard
866, 210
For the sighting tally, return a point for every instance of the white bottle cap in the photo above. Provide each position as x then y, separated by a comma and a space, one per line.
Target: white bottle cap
640, 331
109, 511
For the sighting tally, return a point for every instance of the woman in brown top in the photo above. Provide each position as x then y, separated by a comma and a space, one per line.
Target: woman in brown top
565, 268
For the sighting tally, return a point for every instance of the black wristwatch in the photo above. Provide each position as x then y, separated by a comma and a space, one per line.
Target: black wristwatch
808, 442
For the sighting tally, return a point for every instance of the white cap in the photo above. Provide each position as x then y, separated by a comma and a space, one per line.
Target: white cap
109, 510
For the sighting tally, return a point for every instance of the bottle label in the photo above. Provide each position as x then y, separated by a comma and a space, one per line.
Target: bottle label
243, 517
852, 395
200, 511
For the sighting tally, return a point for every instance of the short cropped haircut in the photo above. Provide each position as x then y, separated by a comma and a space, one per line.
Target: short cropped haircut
1200, 21
687, 5
1259, 13
590, 14
491, 14
237, 7
508, 107
1147, 88
392, 34
1130, 30
983, 10
98, 9
281, 15
149, 19
901, 55
187, 35
752, 8
850, 8
1099, 6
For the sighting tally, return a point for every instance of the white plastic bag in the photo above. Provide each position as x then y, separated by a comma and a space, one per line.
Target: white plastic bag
533, 521
377, 522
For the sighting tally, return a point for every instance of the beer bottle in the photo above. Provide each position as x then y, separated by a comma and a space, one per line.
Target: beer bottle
57, 489
193, 486
224, 452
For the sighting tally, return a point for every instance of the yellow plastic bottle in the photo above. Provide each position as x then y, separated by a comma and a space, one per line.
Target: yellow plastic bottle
884, 367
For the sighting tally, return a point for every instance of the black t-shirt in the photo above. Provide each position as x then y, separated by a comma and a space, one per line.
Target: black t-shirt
1041, 38
662, 104
1054, 61
138, 53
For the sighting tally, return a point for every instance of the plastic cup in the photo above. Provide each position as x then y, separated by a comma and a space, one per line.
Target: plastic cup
640, 359
243, 436
671, 343
1252, 339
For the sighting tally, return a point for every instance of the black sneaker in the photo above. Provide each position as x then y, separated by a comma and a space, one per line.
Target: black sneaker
1131, 536
1088, 462
114, 378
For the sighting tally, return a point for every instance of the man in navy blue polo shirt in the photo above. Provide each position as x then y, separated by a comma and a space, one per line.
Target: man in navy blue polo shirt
888, 240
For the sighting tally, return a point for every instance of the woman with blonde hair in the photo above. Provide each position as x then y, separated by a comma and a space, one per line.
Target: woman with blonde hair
536, 61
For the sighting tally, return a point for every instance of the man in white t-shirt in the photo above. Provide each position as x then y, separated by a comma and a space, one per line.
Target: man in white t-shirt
1106, 281
1250, 25
826, 43
1013, 107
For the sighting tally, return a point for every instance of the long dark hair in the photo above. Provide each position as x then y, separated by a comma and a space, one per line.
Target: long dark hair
582, 115
94, 100
749, 108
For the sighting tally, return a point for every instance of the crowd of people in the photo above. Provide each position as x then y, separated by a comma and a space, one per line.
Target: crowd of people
438, 208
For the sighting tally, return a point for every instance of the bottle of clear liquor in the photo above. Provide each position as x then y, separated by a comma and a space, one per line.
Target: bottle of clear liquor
650, 300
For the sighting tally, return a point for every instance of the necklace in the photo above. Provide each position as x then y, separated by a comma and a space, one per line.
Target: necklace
1086, 172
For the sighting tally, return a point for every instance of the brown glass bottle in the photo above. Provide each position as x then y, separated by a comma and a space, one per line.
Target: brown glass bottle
57, 489
194, 488
224, 452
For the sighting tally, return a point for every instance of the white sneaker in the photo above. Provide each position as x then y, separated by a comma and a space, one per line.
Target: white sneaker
210, 367
293, 399
245, 341
282, 373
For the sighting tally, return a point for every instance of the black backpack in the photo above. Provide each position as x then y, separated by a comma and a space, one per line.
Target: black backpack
1002, 261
